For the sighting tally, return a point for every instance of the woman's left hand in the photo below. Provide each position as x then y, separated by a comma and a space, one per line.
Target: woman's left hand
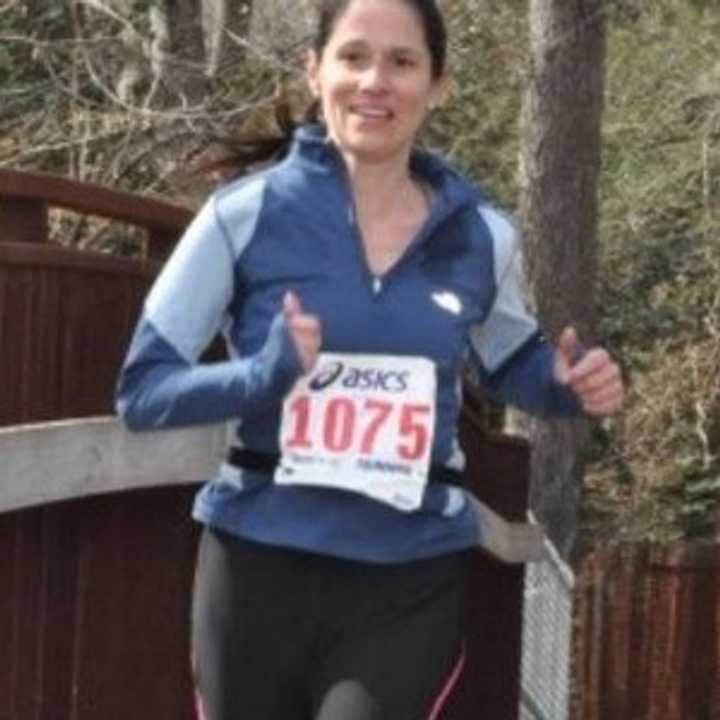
594, 375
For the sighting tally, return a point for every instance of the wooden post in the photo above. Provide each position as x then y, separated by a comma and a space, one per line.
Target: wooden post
23, 220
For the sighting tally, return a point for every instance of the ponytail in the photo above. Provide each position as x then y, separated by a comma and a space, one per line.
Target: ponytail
243, 154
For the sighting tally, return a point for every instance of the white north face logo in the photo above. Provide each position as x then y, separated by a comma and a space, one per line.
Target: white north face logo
448, 301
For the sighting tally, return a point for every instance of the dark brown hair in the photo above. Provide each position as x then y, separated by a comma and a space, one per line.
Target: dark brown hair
243, 153
431, 19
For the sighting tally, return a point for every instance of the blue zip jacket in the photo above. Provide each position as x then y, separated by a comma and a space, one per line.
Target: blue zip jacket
453, 296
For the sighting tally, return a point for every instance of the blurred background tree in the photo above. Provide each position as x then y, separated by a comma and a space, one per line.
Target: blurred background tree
559, 170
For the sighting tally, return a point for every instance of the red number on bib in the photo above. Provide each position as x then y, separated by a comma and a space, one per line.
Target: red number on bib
339, 425
301, 409
381, 412
412, 427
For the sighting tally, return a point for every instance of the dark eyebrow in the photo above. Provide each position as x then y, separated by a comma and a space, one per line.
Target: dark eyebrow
406, 51
357, 43
353, 44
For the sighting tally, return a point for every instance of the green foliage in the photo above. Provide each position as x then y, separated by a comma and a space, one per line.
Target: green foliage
660, 266
694, 498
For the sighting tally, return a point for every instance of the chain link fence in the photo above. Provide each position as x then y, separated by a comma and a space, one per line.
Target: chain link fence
547, 634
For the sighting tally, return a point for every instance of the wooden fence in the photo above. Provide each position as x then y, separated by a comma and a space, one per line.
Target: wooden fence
96, 574
647, 640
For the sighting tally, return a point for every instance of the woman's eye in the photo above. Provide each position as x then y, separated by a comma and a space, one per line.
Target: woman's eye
404, 62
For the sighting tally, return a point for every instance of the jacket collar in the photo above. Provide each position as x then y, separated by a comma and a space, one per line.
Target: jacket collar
451, 190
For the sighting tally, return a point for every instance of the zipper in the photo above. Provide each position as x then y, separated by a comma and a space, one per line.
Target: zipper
374, 282
378, 283
413, 248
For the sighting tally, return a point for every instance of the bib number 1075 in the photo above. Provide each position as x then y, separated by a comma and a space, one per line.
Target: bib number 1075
344, 424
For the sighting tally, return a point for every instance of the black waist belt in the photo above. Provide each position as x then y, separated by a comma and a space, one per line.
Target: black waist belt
267, 462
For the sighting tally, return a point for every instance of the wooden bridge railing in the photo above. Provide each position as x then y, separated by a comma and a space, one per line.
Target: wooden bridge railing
25, 199
99, 563
71, 459
77, 458
65, 315
94, 587
98, 546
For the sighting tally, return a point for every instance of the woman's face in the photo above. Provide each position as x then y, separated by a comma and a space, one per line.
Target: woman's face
374, 80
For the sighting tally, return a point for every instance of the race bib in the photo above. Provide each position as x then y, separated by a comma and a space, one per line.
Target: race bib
362, 423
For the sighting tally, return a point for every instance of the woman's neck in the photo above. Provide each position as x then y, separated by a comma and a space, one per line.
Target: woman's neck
390, 208
380, 186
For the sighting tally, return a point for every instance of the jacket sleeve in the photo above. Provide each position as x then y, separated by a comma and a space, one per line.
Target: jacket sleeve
162, 383
510, 354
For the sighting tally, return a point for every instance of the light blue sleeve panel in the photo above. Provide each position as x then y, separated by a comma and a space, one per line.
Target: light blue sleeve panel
509, 325
514, 361
161, 383
188, 301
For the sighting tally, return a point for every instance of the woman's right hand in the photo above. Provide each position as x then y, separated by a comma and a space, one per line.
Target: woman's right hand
305, 330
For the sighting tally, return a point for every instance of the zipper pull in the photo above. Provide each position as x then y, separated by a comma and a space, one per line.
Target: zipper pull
377, 285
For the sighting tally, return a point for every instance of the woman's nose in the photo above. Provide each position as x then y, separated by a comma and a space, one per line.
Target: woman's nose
373, 78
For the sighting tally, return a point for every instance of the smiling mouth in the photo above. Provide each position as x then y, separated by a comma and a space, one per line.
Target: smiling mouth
372, 113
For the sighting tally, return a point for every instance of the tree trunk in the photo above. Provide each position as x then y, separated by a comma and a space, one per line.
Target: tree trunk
225, 27
178, 51
559, 167
133, 74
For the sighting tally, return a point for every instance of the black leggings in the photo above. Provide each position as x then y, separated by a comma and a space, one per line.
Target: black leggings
285, 635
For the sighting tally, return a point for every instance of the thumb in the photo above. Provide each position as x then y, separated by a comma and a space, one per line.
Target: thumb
291, 305
566, 352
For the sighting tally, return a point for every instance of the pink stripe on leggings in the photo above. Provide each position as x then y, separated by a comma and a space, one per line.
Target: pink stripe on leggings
199, 706
449, 686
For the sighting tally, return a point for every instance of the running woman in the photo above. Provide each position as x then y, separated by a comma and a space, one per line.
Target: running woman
352, 280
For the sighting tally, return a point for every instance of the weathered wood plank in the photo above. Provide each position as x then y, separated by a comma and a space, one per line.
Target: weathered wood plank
33, 256
48, 462
511, 542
